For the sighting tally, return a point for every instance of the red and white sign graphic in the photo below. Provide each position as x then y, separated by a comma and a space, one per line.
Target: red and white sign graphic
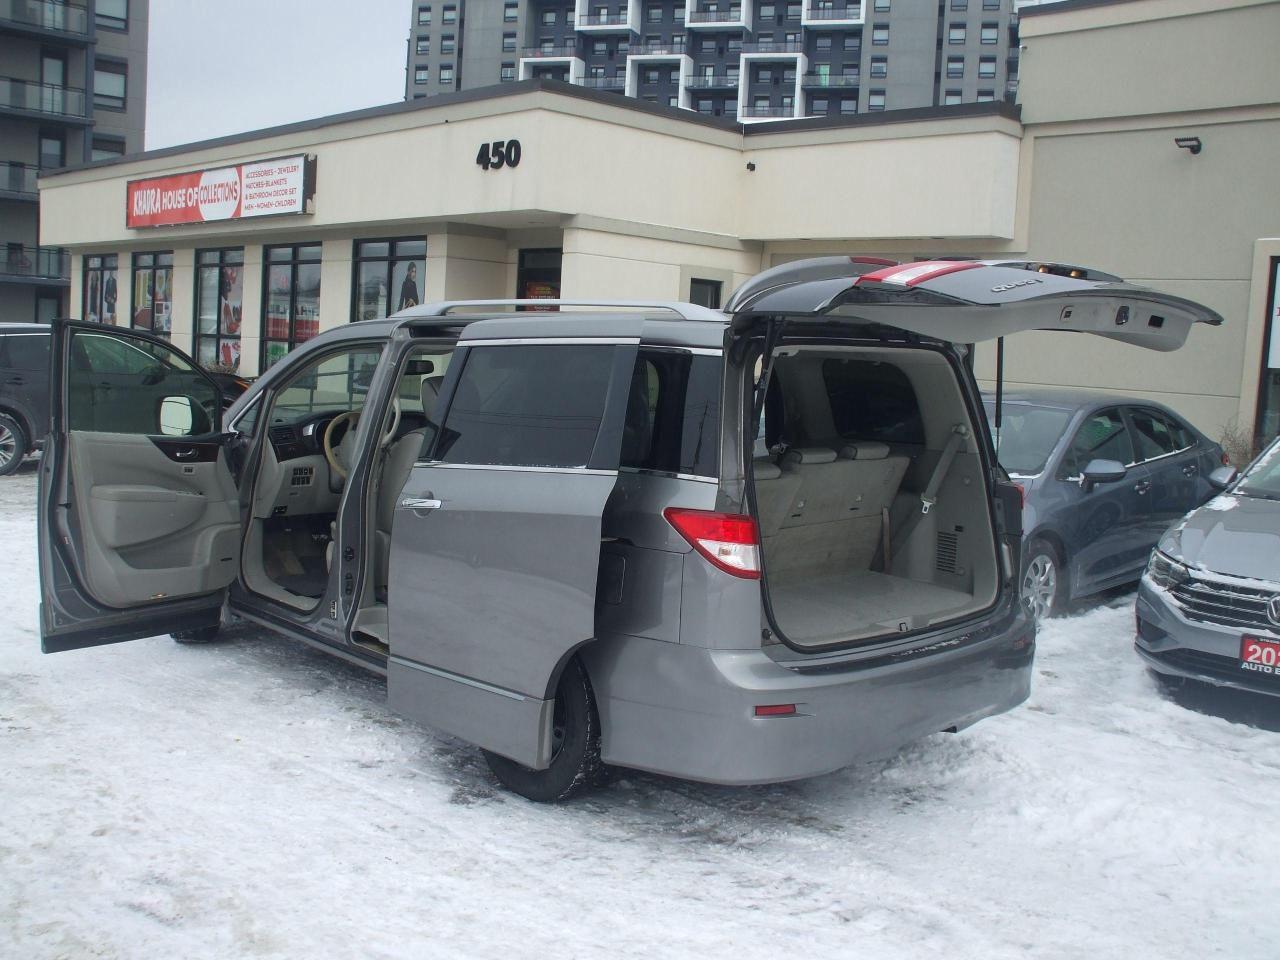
227, 193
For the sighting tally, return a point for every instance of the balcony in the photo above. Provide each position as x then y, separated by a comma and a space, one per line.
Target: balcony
605, 83
34, 264
828, 81
733, 18
554, 53
46, 18
44, 99
719, 81
18, 181
672, 47
626, 20
752, 112
773, 46
831, 15
574, 67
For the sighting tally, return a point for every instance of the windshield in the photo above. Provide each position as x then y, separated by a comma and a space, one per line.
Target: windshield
1263, 478
1027, 435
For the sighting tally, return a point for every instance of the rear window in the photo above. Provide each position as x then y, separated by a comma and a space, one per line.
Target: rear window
25, 351
528, 406
673, 413
872, 401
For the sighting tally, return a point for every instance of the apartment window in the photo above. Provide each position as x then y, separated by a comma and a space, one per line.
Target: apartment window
421, 74
389, 276
110, 80
875, 100
423, 46
219, 306
850, 70
987, 68
990, 33
823, 44
881, 6
673, 101
704, 106
852, 43
789, 76
793, 11
624, 47
446, 73
424, 16
599, 48
990, 4
100, 290
955, 67
767, 11
596, 73
731, 107
818, 107
735, 45
547, 46
880, 34
849, 106
956, 33
653, 14
510, 13
986, 96
764, 75
153, 292
548, 18
879, 68
951, 98
106, 148
290, 299
446, 43
706, 293
650, 75
450, 14
53, 149
761, 103
788, 103
508, 42
507, 73
112, 14
707, 45
959, 4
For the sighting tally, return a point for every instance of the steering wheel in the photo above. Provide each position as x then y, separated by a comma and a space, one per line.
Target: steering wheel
349, 421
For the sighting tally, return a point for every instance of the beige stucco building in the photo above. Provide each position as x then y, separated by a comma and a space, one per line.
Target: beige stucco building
616, 198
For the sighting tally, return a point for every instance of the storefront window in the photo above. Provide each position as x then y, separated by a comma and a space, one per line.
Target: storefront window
1268, 425
219, 308
153, 292
291, 299
390, 275
100, 289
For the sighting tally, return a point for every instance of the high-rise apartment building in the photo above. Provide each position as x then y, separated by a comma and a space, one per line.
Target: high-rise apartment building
73, 82
749, 60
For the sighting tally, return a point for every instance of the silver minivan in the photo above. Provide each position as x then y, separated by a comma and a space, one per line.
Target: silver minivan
737, 547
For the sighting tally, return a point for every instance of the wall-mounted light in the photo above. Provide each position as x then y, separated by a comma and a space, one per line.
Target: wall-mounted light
751, 166
1189, 143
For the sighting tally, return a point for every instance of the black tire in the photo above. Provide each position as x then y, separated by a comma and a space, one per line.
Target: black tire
1041, 555
201, 635
13, 444
575, 762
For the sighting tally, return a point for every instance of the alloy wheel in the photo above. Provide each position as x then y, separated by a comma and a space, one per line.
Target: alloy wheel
8, 446
1040, 586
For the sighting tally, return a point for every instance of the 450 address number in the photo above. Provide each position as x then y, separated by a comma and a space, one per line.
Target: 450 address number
498, 154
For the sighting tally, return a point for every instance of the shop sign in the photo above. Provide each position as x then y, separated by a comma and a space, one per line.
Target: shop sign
285, 185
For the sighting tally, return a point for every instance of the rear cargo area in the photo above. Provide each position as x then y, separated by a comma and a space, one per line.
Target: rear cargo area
853, 443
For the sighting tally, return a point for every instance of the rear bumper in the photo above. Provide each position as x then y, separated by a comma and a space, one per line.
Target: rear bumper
689, 712
1175, 646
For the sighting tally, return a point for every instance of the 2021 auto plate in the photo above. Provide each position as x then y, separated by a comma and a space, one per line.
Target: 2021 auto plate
1260, 656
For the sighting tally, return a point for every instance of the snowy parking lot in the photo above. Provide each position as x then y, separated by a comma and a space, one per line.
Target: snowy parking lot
253, 798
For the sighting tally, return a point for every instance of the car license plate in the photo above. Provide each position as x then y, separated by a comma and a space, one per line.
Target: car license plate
1260, 656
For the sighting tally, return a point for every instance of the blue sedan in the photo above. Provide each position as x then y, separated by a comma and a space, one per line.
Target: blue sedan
1102, 478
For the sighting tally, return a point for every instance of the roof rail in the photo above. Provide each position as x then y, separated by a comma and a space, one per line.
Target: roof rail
685, 311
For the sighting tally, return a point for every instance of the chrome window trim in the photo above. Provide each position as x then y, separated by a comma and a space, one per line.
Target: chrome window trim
696, 477
515, 468
553, 342
677, 348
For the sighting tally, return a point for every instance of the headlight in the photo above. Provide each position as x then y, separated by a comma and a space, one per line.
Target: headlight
1165, 571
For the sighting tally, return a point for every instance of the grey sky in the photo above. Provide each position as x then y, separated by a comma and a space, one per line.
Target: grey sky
217, 67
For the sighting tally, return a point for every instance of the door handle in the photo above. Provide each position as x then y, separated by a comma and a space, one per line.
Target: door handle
421, 503
1142, 486
185, 454
16, 381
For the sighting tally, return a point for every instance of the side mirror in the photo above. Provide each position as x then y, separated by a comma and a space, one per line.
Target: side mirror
1102, 471
1223, 477
180, 416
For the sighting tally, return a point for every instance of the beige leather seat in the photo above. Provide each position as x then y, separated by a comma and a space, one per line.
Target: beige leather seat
775, 492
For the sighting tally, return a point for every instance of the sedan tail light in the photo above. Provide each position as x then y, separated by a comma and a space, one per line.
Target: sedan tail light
731, 541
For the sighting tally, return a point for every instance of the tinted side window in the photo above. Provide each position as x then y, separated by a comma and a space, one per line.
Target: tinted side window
1155, 435
117, 383
673, 413
1102, 437
529, 406
872, 401
26, 352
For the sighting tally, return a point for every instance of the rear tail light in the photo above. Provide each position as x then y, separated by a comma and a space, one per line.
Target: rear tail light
1226, 460
1022, 495
730, 541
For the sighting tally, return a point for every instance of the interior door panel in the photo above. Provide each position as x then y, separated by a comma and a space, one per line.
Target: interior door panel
152, 527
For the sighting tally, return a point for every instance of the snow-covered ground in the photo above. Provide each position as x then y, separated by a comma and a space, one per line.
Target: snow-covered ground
252, 798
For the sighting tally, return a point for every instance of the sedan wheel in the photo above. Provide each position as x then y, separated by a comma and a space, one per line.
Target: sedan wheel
1040, 582
13, 445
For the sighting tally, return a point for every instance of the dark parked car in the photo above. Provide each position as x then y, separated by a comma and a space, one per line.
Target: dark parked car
24, 392
1209, 605
1102, 478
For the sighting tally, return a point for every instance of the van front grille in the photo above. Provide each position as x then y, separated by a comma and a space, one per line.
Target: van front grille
948, 546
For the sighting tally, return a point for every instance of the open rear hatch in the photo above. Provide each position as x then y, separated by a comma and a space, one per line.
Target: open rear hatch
872, 479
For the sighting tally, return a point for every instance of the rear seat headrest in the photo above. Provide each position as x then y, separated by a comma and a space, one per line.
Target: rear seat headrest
865, 450
811, 455
766, 470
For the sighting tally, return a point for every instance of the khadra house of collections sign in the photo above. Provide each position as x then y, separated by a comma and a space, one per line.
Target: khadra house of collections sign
264, 188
